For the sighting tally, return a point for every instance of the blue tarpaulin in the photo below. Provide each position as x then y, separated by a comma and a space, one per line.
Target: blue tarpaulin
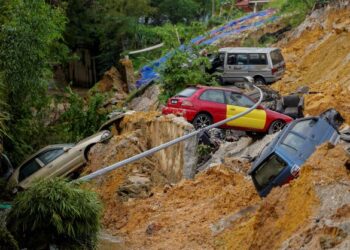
149, 73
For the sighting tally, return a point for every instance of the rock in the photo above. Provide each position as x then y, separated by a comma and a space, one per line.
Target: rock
244, 149
147, 101
134, 191
153, 228
141, 180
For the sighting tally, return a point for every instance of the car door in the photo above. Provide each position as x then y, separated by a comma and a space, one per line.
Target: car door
236, 66
238, 103
213, 101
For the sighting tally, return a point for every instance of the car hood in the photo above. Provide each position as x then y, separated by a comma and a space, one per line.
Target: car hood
95, 138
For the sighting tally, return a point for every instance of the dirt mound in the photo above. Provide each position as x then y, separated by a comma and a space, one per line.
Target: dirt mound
317, 55
305, 213
111, 80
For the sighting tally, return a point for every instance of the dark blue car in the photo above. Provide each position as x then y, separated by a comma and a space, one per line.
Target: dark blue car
280, 161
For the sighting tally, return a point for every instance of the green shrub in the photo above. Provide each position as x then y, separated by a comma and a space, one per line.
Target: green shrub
55, 212
297, 9
82, 119
184, 68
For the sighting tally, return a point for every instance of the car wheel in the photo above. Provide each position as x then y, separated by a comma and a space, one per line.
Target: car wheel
202, 120
258, 80
276, 126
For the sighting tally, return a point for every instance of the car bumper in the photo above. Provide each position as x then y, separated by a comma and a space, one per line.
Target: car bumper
186, 113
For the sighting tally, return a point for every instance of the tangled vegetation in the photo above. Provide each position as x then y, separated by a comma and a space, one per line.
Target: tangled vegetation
185, 68
55, 212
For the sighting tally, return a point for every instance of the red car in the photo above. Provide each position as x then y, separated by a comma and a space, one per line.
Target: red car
203, 106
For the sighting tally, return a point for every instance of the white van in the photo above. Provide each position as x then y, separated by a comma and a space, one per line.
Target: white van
265, 65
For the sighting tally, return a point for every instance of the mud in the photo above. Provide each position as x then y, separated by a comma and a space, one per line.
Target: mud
181, 216
317, 55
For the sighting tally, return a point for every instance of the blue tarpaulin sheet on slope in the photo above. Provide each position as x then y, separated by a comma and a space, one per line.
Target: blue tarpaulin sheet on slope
149, 73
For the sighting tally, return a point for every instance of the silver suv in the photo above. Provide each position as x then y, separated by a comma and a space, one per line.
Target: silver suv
265, 65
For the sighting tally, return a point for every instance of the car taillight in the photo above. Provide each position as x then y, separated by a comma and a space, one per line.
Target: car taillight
186, 103
273, 70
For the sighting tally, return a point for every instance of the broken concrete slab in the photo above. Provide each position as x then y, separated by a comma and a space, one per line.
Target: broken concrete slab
245, 149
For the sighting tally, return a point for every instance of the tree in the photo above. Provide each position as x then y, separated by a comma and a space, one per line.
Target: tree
179, 10
30, 32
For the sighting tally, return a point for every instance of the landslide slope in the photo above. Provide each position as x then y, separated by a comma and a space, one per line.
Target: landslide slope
317, 55
313, 212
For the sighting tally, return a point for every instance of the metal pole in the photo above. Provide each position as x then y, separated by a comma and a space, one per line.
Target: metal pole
170, 143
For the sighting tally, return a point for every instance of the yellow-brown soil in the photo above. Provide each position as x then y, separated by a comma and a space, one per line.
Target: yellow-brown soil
320, 58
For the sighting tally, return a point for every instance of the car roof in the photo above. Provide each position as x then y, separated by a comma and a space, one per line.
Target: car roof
247, 50
54, 146
233, 88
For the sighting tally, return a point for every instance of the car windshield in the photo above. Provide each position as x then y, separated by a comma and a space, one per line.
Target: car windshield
268, 171
187, 92
276, 57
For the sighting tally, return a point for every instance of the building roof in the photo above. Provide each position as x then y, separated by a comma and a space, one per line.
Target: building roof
246, 50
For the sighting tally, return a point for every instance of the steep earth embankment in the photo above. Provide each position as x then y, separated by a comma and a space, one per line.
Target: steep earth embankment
317, 55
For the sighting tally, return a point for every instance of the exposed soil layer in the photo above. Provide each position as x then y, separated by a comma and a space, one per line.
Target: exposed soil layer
317, 55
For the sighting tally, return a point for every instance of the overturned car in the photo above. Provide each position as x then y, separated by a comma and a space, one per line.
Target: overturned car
279, 162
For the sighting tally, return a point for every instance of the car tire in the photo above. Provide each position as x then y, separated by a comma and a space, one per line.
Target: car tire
276, 126
202, 120
259, 80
